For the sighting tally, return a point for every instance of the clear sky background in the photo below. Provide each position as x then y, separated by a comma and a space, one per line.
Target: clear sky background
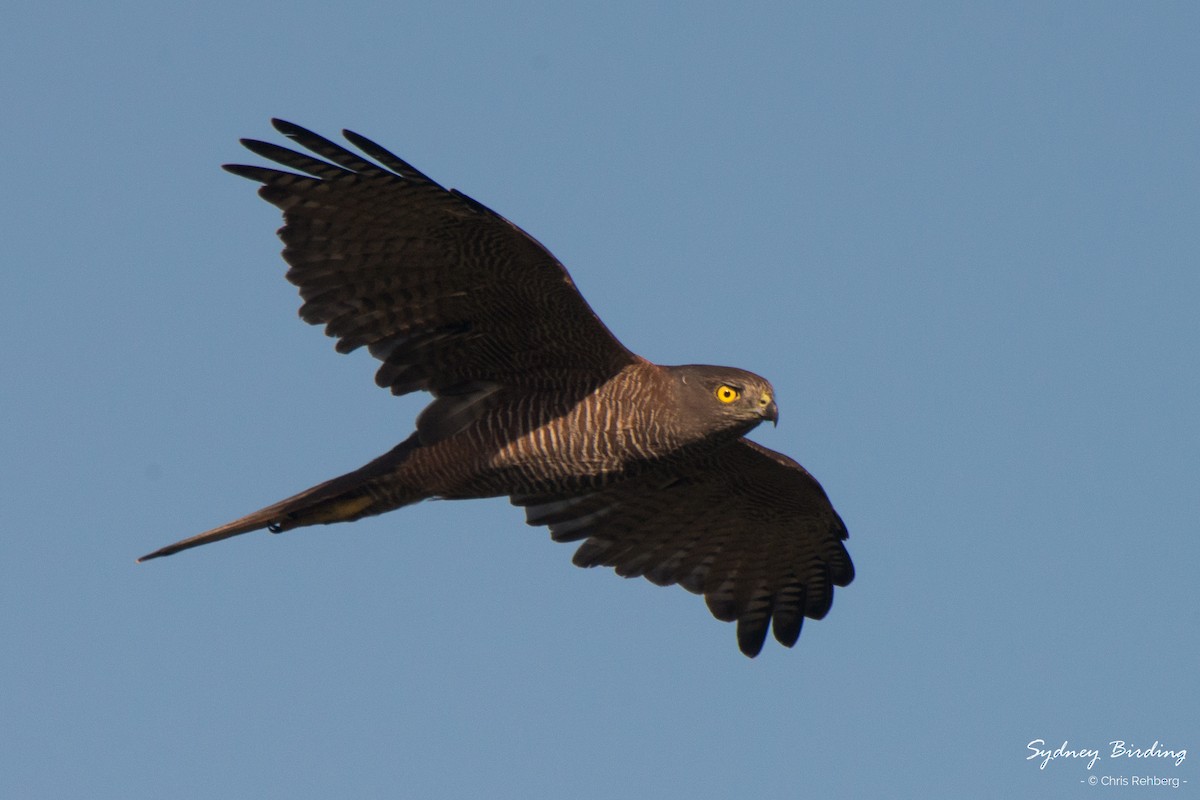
962, 240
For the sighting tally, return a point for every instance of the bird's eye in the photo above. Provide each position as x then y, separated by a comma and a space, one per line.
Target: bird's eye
727, 394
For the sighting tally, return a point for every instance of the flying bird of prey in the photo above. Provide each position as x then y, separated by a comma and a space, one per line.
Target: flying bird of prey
533, 398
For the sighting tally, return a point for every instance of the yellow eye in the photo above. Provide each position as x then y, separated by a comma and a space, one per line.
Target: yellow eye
727, 394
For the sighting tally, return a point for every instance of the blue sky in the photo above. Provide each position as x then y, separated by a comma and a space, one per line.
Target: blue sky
961, 240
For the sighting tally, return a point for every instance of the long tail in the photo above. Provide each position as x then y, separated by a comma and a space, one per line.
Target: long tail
368, 490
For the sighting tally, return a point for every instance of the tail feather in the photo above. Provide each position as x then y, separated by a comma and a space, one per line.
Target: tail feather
357, 494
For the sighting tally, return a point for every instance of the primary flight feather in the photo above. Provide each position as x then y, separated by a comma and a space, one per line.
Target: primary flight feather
534, 398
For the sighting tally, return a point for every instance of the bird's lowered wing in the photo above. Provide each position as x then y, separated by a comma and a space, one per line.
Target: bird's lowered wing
747, 527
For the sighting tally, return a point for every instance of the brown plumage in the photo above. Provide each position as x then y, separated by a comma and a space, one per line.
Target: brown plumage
535, 399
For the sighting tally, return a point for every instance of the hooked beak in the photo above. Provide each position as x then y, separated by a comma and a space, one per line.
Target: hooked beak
770, 411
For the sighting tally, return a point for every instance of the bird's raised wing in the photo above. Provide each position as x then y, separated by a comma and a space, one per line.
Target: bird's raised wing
452, 297
747, 527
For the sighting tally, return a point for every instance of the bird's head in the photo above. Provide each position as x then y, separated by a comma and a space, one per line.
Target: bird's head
724, 399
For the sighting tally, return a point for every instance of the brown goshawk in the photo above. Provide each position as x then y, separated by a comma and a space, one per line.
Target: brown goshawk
533, 398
